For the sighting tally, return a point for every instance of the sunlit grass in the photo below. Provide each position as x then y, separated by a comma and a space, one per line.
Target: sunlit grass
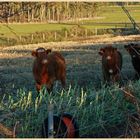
94, 110
111, 14
23, 29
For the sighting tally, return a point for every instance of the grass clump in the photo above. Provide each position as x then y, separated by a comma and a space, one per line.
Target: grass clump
96, 111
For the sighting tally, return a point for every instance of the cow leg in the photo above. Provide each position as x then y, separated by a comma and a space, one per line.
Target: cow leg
117, 77
63, 82
38, 87
50, 88
106, 77
50, 85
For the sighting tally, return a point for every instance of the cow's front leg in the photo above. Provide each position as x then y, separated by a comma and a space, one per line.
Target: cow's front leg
50, 88
38, 87
63, 82
50, 85
116, 78
106, 77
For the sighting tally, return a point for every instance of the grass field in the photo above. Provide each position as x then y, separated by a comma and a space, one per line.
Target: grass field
116, 14
105, 15
22, 29
100, 111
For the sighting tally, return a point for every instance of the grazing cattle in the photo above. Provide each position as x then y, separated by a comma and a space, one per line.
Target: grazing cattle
134, 51
48, 67
111, 63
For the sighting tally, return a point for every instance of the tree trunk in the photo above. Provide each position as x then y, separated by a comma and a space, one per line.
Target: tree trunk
53, 13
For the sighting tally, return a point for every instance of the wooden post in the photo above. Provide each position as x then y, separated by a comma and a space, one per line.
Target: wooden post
50, 120
20, 38
76, 33
86, 32
32, 37
96, 32
125, 25
55, 35
66, 34
134, 26
8, 39
43, 36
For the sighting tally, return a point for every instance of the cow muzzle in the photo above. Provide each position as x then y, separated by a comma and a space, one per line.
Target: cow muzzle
110, 71
108, 57
44, 61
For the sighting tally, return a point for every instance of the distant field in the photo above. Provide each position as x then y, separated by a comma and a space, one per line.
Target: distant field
116, 14
22, 29
111, 14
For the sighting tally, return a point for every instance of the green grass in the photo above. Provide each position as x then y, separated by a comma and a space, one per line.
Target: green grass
109, 14
94, 110
115, 14
23, 29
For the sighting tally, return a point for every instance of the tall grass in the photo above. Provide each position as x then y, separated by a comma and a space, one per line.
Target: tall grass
94, 110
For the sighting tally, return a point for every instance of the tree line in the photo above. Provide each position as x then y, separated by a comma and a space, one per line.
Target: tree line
48, 11
45, 11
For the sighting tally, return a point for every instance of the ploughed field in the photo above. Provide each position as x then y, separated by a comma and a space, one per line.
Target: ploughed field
84, 72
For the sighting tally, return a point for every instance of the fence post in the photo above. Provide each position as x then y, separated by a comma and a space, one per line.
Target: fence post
8, 39
96, 32
86, 32
50, 120
134, 26
43, 36
20, 37
32, 37
55, 35
76, 33
125, 25
66, 34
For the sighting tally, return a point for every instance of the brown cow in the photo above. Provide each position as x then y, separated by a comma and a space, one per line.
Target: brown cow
134, 51
111, 63
48, 67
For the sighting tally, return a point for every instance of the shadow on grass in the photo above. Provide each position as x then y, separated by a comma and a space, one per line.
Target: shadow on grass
83, 68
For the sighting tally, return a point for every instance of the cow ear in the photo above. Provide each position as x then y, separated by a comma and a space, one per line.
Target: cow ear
101, 52
34, 53
48, 51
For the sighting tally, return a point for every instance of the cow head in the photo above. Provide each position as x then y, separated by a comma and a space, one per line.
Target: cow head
41, 54
133, 50
107, 52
